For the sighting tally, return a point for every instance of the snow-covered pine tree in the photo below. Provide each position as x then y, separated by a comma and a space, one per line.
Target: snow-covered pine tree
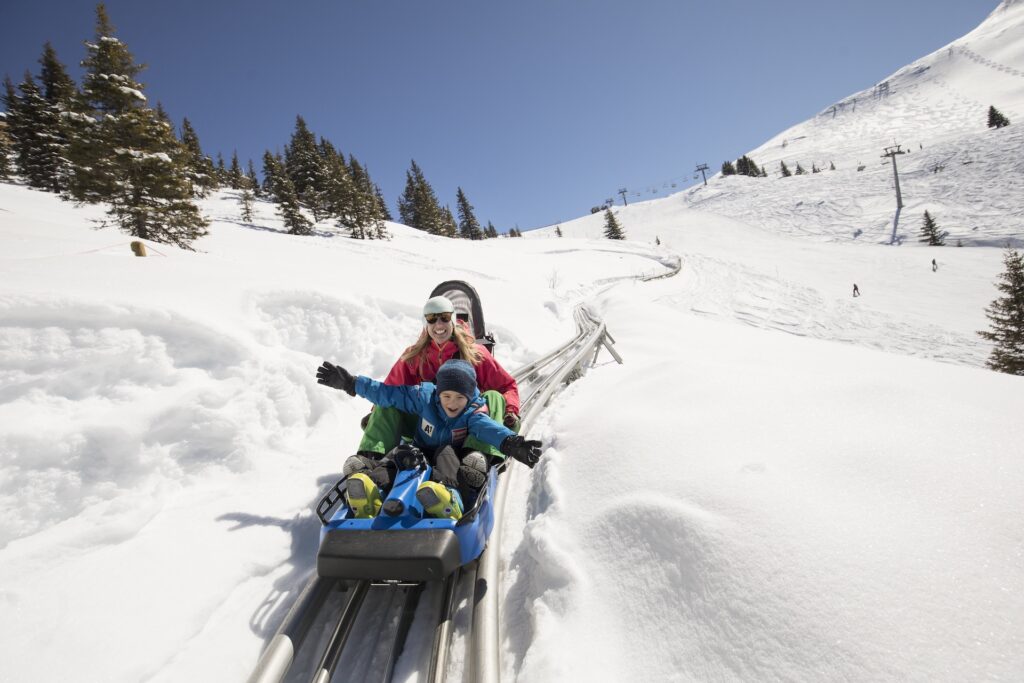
61, 97
1006, 316
34, 127
304, 165
469, 226
785, 169
930, 232
490, 231
125, 153
727, 169
612, 229
283, 193
558, 230
199, 167
448, 227
799, 169
996, 118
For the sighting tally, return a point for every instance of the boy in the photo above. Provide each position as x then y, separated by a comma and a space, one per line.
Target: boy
448, 410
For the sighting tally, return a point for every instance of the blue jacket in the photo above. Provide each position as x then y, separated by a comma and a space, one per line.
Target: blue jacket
435, 429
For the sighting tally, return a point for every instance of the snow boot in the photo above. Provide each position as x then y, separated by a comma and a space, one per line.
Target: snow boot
363, 496
473, 471
439, 500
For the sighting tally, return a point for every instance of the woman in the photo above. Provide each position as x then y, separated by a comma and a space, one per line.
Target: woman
443, 337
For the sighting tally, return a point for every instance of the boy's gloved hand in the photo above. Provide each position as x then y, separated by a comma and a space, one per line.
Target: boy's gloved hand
526, 452
408, 457
336, 377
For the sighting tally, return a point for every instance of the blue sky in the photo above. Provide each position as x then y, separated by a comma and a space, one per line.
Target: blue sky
538, 109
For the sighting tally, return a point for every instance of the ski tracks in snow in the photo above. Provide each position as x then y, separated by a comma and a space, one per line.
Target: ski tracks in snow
720, 289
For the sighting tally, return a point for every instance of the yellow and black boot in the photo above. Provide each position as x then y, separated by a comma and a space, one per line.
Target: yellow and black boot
439, 501
363, 495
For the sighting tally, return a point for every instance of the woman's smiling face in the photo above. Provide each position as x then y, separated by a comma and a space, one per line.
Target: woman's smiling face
440, 331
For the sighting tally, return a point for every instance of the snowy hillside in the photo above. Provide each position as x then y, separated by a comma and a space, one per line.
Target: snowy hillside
970, 177
839, 502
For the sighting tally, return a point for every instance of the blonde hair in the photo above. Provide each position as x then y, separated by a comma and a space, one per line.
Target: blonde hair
466, 342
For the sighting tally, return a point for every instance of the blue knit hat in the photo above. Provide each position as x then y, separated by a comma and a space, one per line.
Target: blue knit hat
456, 375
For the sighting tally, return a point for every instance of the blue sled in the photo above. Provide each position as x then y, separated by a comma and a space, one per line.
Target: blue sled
401, 543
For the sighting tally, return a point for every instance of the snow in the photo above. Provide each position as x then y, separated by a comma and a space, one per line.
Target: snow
781, 482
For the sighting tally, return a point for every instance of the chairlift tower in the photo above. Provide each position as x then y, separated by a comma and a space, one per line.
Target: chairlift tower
623, 191
702, 168
891, 152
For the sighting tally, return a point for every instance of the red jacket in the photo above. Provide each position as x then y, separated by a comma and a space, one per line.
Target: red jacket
489, 375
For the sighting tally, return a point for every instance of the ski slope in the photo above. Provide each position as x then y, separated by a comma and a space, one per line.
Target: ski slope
781, 482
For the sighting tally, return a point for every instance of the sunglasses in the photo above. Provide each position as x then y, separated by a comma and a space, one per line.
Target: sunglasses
432, 318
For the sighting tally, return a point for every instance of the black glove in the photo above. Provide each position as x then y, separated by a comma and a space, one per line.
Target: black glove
511, 421
407, 457
336, 377
526, 452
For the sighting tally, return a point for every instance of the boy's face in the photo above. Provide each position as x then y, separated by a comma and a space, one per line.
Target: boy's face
453, 403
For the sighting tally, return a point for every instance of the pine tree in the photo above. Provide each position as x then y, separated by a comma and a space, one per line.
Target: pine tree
418, 206
221, 171
746, 166
448, 226
831, 166
558, 230
612, 229
283, 192
199, 167
996, 119
490, 231
1006, 329
235, 177
930, 232
125, 153
382, 206
5, 155
61, 97
270, 166
254, 182
367, 221
657, 240
727, 169
246, 200
799, 169
785, 169
469, 226
304, 165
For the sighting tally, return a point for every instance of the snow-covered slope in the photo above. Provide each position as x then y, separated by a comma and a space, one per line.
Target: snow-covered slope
968, 176
731, 503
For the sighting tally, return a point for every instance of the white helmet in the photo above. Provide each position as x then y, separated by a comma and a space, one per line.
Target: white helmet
438, 304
